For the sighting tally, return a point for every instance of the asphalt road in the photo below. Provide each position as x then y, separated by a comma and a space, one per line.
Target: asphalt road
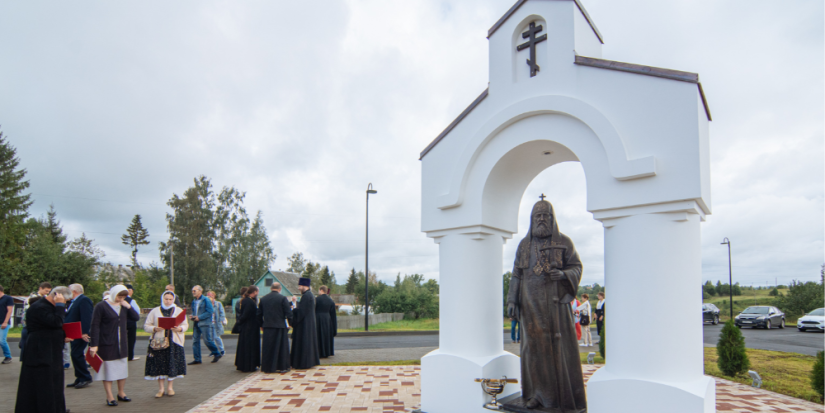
786, 340
789, 339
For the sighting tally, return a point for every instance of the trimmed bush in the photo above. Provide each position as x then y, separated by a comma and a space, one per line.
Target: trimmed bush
601, 342
818, 374
733, 359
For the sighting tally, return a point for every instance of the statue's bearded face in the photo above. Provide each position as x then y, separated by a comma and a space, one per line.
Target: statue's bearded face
542, 222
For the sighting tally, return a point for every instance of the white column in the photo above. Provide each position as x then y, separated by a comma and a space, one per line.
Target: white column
470, 333
654, 359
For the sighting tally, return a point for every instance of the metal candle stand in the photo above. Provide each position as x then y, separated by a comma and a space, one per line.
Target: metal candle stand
494, 387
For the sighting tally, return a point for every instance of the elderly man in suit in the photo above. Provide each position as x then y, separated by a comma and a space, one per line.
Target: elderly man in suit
200, 311
80, 309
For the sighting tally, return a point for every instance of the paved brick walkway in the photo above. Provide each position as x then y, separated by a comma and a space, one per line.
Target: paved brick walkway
397, 389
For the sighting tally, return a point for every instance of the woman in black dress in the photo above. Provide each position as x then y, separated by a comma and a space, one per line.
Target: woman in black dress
167, 364
109, 341
248, 353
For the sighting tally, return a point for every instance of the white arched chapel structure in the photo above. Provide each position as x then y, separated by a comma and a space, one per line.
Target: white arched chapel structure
641, 135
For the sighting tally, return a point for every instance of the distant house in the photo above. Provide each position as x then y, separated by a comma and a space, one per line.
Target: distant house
288, 281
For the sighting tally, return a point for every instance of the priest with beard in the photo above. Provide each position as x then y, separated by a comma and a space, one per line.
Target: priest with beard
40, 388
326, 322
273, 313
304, 335
545, 280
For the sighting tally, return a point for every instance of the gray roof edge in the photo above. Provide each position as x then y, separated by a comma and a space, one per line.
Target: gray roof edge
519, 3
670, 74
454, 123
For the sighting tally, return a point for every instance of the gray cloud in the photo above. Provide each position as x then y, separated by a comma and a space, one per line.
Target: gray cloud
114, 107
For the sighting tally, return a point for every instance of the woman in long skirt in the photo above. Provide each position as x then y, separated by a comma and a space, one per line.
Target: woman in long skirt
248, 353
109, 341
166, 365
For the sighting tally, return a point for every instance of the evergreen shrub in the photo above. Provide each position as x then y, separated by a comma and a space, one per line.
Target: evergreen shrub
601, 342
733, 359
818, 375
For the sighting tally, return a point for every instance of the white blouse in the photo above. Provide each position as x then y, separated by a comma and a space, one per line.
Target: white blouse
584, 309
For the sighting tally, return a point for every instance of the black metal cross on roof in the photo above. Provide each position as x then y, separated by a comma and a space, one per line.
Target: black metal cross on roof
531, 43
542, 197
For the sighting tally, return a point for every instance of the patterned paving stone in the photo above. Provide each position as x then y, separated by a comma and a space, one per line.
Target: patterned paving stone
341, 389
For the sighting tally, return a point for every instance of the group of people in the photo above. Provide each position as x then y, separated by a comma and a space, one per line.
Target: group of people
313, 322
109, 332
584, 315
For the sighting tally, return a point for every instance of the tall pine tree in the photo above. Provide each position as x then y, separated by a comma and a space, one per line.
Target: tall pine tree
134, 237
14, 206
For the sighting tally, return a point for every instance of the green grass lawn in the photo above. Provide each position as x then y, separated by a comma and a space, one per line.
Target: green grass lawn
785, 373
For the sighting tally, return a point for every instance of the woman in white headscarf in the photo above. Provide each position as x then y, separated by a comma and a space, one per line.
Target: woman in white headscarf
109, 341
167, 364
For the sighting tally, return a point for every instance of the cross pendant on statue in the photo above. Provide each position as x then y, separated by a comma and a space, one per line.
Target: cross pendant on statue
531, 43
542, 197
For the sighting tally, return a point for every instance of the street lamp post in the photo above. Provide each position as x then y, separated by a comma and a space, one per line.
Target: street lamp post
726, 241
367, 262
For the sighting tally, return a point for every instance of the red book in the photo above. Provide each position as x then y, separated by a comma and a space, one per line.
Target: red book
95, 361
73, 330
169, 323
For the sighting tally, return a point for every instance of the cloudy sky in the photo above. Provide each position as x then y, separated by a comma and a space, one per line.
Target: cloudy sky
115, 106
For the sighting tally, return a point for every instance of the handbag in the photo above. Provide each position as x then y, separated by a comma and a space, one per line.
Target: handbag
159, 343
584, 319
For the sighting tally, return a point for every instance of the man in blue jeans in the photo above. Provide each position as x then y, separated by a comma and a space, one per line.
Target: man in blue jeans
515, 331
201, 314
6, 310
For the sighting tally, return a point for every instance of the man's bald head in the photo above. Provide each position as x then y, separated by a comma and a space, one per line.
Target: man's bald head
276, 287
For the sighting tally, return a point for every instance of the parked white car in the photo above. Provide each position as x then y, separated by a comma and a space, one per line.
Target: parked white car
815, 320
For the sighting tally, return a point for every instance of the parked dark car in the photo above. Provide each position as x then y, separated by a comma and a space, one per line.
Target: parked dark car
761, 316
710, 313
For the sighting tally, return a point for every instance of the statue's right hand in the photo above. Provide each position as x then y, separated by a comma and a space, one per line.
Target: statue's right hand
511, 311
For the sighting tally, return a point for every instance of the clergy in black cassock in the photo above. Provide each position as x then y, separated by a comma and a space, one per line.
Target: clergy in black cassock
304, 336
40, 388
273, 313
248, 353
326, 323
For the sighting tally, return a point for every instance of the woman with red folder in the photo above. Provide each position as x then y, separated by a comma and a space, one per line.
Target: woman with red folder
166, 364
109, 341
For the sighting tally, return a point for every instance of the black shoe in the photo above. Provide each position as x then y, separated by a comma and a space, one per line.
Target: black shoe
71, 384
123, 399
82, 384
6, 360
111, 403
194, 362
215, 360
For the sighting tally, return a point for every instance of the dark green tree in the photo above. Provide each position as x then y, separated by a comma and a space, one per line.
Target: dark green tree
801, 298
191, 227
601, 342
352, 282
134, 237
14, 207
327, 278
774, 292
733, 359
709, 288
818, 374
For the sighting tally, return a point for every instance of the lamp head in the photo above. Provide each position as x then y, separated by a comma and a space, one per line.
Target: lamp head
725, 241
370, 190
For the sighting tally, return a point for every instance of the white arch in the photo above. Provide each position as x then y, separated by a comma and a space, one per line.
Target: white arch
621, 168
